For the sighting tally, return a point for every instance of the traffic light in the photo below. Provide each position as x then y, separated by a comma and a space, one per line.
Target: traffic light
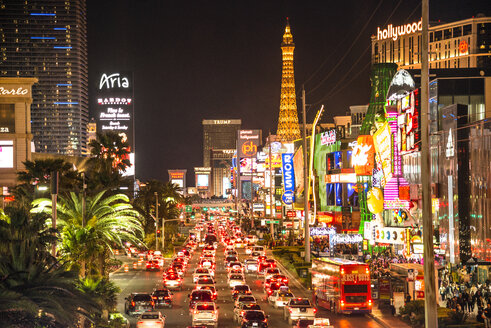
158, 232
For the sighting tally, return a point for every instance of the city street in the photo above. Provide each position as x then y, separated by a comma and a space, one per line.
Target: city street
142, 281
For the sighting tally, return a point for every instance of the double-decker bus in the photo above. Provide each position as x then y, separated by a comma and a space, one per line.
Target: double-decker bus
341, 286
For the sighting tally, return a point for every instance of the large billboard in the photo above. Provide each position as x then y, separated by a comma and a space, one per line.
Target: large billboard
115, 108
248, 142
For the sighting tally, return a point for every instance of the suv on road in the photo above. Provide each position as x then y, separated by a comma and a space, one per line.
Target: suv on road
138, 303
298, 308
254, 318
200, 296
162, 297
205, 313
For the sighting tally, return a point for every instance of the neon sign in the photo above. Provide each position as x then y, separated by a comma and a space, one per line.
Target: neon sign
288, 173
396, 204
328, 138
113, 81
363, 153
13, 92
221, 121
383, 146
394, 33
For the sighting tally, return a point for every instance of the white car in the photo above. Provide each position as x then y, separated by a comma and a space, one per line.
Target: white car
246, 299
259, 249
205, 314
151, 319
250, 265
280, 298
236, 279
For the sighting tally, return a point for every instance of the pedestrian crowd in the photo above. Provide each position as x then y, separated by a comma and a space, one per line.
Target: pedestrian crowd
380, 263
468, 297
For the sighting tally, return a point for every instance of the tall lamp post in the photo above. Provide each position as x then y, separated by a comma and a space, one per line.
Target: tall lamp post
54, 201
431, 316
157, 221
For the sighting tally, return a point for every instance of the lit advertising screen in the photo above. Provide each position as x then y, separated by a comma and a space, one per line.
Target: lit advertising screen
178, 182
202, 181
6, 154
115, 108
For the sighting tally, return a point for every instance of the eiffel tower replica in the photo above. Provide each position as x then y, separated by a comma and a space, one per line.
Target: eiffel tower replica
288, 128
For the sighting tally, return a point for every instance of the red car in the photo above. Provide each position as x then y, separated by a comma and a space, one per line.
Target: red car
272, 287
153, 265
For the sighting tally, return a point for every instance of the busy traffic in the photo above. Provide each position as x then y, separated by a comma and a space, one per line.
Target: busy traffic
221, 277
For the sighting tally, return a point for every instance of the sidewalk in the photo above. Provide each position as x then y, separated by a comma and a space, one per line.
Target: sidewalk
385, 318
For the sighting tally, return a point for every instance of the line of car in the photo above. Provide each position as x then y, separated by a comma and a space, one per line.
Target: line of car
203, 309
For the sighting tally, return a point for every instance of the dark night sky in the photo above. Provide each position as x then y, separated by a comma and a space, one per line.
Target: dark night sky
222, 59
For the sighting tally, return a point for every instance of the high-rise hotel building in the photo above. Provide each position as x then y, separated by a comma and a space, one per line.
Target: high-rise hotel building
461, 44
48, 40
219, 145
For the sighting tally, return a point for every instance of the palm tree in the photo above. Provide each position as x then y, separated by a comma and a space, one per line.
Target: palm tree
107, 222
168, 198
112, 149
35, 289
171, 192
38, 173
110, 158
102, 290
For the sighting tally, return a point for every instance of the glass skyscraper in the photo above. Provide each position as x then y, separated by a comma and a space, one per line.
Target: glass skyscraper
48, 40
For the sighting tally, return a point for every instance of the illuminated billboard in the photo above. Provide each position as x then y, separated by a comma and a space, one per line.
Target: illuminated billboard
6, 154
202, 181
383, 146
408, 131
363, 155
115, 108
178, 177
248, 142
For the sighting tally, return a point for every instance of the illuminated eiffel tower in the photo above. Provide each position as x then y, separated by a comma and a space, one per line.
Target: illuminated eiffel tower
288, 128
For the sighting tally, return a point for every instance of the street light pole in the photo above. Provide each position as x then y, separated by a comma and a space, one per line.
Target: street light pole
431, 317
157, 220
271, 226
54, 202
305, 182
84, 186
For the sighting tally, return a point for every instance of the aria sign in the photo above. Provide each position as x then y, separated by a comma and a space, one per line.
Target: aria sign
393, 33
113, 81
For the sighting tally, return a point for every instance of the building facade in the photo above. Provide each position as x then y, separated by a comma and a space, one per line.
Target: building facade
219, 134
15, 130
219, 145
47, 40
461, 44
